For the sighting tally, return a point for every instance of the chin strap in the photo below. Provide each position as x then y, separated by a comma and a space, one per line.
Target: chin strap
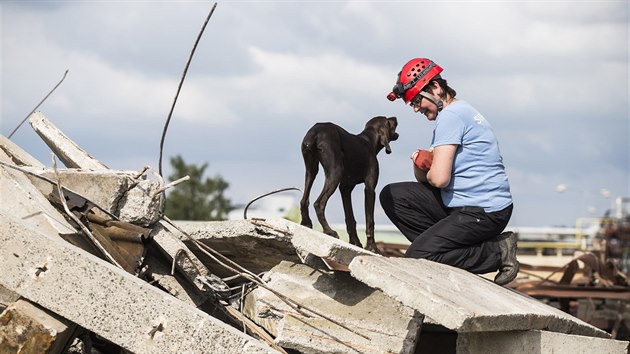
438, 103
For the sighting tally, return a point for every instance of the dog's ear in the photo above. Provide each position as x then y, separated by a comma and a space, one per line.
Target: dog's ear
390, 133
384, 137
385, 141
393, 124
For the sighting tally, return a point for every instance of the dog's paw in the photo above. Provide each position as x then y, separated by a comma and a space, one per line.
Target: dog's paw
308, 224
371, 246
356, 243
331, 233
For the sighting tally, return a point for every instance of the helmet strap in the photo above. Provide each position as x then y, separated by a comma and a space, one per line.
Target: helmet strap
438, 103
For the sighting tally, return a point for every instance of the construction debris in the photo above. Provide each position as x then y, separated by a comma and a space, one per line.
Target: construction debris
87, 255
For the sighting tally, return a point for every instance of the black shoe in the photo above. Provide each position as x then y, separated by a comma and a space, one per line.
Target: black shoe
509, 264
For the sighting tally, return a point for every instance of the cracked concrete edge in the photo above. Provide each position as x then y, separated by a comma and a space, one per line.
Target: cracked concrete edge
307, 240
17, 155
28, 203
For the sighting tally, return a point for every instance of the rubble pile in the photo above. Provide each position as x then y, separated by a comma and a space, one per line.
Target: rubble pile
87, 258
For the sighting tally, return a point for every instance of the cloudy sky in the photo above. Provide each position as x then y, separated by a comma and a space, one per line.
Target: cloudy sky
550, 76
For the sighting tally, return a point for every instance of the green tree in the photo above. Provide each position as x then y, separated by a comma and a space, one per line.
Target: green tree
196, 199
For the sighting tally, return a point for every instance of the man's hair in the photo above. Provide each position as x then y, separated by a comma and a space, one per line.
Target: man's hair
447, 89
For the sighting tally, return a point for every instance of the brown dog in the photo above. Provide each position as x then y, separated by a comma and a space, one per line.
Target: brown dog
348, 160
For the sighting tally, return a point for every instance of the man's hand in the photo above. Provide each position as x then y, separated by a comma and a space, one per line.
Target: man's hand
422, 159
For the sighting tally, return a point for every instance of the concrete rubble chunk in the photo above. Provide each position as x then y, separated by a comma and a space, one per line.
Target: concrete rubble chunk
118, 192
122, 308
27, 328
140, 204
66, 150
461, 301
17, 155
382, 324
536, 341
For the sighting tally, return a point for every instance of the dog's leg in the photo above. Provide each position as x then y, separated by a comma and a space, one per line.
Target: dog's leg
370, 198
351, 223
331, 183
312, 167
311, 164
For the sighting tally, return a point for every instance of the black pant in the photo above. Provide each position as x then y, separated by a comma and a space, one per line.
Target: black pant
460, 237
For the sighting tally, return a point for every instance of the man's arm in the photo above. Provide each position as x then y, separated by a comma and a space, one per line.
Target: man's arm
421, 176
439, 175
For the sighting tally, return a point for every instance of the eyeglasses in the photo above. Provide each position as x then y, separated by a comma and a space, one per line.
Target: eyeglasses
415, 102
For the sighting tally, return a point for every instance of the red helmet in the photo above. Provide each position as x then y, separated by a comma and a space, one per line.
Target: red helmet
414, 75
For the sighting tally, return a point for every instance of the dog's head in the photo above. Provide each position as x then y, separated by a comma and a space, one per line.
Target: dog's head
385, 129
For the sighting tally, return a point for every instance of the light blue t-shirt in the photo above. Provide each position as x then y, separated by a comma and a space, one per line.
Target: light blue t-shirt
478, 176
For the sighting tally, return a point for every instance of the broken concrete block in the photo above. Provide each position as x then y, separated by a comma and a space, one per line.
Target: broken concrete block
27, 203
255, 247
107, 300
67, 150
535, 341
17, 155
27, 328
379, 324
118, 192
308, 241
462, 301
140, 204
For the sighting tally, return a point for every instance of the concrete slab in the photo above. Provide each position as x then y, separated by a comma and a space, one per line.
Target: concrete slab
108, 301
461, 301
25, 202
387, 325
536, 341
17, 155
66, 150
257, 248
27, 328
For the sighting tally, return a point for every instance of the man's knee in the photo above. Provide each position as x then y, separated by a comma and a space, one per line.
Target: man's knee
385, 197
414, 252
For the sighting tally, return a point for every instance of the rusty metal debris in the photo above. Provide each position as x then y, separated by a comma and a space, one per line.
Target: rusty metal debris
587, 292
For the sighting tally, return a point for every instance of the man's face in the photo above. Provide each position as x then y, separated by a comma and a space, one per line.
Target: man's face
424, 106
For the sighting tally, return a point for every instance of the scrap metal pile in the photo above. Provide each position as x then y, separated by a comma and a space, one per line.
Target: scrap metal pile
590, 287
89, 264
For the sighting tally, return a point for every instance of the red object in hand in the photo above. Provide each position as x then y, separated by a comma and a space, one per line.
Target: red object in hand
423, 160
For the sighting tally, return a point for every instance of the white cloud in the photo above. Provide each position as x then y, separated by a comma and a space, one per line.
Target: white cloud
292, 83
